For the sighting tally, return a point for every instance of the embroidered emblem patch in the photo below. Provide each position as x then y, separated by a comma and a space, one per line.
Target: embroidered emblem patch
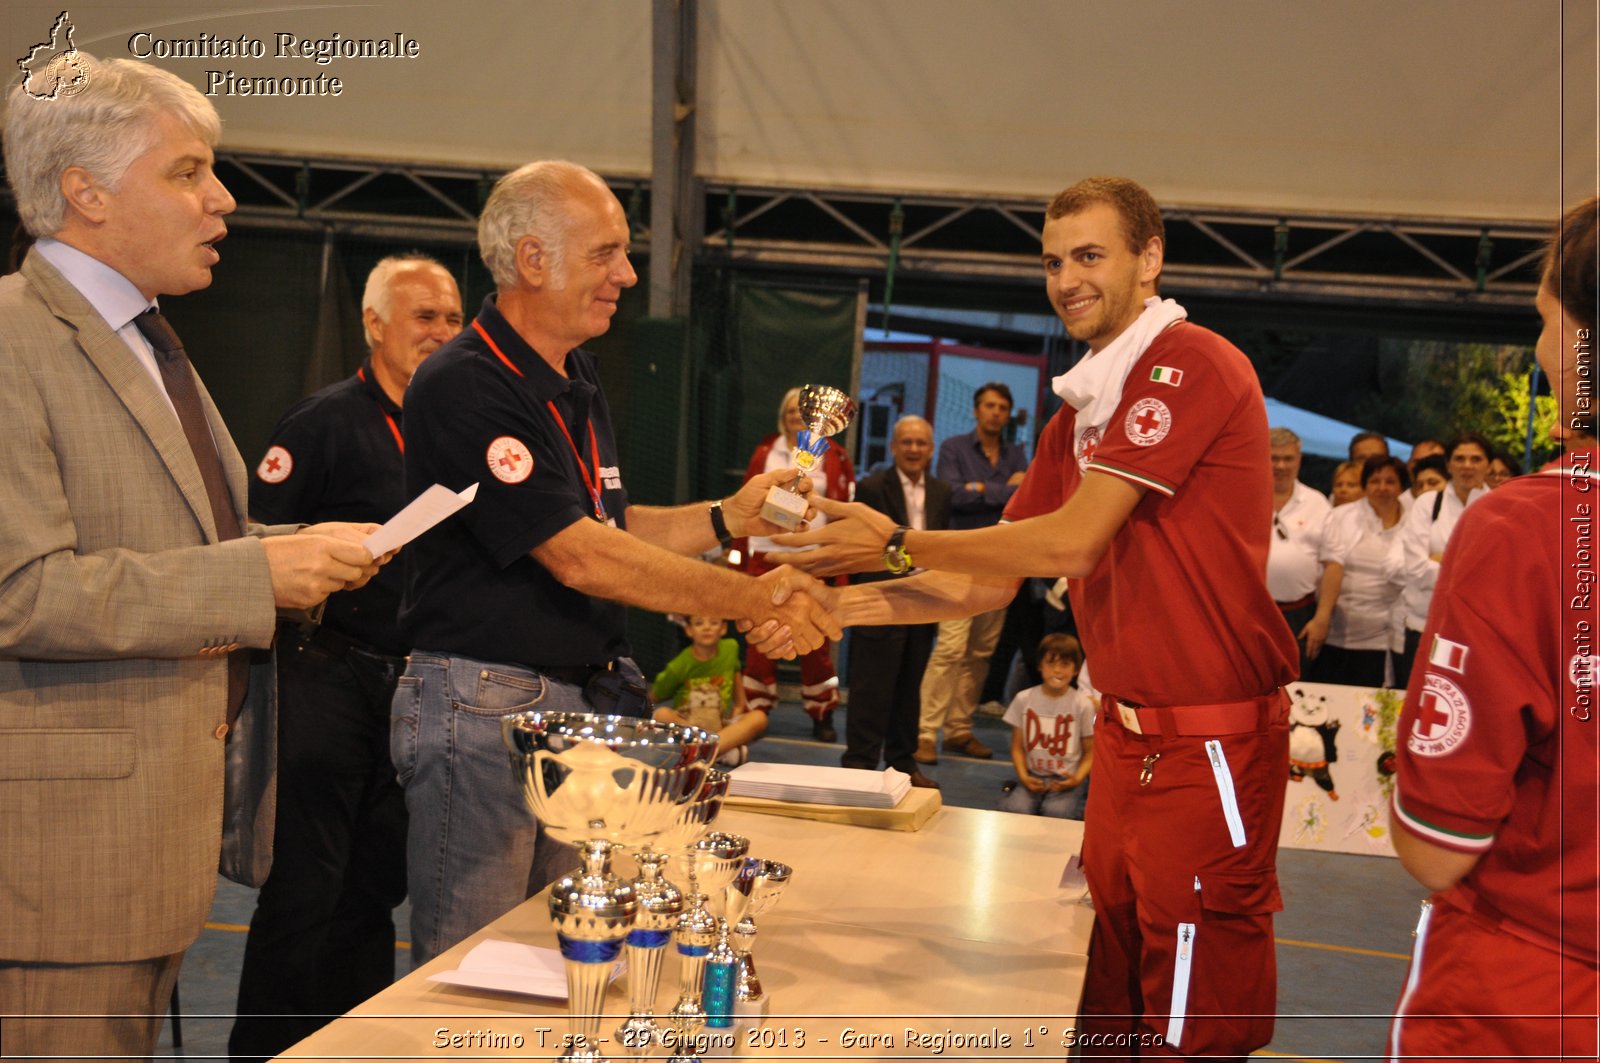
1148, 422
509, 460
1444, 717
1165, 374
276, 466
1085, 448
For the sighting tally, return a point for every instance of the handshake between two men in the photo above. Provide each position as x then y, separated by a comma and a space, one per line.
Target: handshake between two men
978, 573
788, 611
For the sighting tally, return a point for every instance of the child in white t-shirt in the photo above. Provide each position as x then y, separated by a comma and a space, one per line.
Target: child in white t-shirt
1052, 736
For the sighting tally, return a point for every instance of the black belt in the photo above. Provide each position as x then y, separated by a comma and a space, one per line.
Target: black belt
338, 645
577, 675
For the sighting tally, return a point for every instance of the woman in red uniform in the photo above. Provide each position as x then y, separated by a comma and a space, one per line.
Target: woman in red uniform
833, 477
1498, 765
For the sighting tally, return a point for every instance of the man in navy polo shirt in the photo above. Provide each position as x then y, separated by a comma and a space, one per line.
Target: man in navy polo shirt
520, 599
322, 936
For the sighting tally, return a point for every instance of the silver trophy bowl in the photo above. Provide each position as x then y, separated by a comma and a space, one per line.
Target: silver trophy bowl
601, 782
606, 778
826, 411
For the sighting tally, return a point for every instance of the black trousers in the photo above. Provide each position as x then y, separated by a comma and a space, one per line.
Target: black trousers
322, 937
1407, 658
886, 666
1297, 619
1356, 668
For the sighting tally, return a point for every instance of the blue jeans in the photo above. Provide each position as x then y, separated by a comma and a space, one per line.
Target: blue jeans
1068, 804
474, 850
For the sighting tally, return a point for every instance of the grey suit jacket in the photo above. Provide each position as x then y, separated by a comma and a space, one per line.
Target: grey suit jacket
115, 603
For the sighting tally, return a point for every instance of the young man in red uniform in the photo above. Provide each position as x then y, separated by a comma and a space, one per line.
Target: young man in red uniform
1498, 774
1153, 492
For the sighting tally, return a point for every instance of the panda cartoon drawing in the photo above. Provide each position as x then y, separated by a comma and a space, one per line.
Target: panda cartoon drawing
1312, 745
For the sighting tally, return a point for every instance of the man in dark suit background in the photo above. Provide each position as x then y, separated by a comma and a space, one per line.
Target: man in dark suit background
886, 663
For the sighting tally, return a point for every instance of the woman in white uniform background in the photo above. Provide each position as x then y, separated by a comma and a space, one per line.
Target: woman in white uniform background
1348, 638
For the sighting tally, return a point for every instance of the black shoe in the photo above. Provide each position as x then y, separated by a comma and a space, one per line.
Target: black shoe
822, 730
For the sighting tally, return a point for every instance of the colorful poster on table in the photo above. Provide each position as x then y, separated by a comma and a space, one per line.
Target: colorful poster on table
1341, 768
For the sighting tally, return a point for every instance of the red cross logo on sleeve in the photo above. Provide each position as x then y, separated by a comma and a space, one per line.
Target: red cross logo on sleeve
1088, 443
1147, 423
509, 460
276, 466
1444, 717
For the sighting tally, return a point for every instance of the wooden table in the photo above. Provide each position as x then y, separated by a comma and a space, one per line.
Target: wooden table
885, 944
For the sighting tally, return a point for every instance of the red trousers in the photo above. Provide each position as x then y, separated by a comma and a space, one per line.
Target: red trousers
1475, 990
1180, 850
819, 682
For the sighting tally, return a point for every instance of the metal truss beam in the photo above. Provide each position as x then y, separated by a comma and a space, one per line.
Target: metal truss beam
1312, 255
370, 198
1317, 256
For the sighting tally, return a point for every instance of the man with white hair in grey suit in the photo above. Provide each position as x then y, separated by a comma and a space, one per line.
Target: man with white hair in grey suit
131, 585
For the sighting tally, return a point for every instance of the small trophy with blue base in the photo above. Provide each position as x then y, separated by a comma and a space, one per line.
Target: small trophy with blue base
826, 412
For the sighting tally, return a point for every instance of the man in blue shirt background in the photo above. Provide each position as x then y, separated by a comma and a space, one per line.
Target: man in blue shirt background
984, 471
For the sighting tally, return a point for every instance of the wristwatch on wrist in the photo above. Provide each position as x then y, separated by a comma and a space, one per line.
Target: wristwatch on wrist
719, 524
896, 558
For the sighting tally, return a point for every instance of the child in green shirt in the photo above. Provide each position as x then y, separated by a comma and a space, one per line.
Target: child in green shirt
706, 689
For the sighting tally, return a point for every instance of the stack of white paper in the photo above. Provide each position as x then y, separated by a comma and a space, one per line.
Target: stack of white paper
823, 786
507, 967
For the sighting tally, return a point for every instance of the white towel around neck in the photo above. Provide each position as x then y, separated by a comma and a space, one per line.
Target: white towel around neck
1093, 387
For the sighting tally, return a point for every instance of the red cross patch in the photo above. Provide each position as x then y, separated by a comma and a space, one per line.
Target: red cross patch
510, 460
1087, 444
276, 466
1444, 716
1148, 422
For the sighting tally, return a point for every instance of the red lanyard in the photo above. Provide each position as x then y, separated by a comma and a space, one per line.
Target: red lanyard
593, 484
394, 429
594, 448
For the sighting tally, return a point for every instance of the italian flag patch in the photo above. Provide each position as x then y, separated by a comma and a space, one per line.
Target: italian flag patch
1163, 374
1446, 654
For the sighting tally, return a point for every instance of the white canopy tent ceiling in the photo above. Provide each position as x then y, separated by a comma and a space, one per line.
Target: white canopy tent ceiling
1323, 437
1278, 136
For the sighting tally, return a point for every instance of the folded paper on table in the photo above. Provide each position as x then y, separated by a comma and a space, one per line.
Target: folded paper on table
826, 786
426, 510
507, 967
